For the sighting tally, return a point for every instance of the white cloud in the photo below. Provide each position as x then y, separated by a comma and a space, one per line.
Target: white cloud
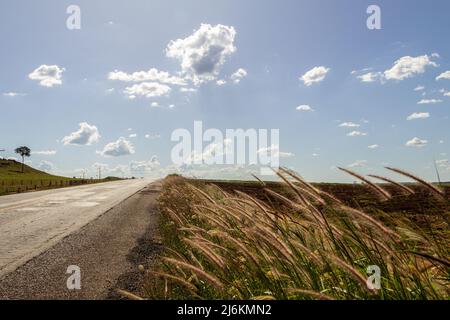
154, 104
45, 152
188, 90
373, 146
358, 163
152, 136
133, 135
418, 115
121, 147
203, 53
46, 165
408, 66
304, 107
316, 74
13, 94
444, 75
446, 93
416, 142
238, 75
349, 125
86, 135
429, 101
370, 77
150, 75
48, 76
419, 88
147, 89
221, 82
274, 150
356, 134
143, 167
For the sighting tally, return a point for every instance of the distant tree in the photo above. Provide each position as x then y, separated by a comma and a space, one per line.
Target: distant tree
24, 152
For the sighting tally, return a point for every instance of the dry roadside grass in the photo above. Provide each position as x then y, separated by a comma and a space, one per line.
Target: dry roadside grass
305, 244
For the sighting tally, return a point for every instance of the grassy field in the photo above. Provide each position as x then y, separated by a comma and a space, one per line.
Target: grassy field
294, 240
12, 180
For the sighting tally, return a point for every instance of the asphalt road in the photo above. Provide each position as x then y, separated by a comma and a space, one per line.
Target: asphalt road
95, 227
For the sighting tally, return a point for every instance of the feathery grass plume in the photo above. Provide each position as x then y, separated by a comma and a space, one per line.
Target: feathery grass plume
308, 185
371, 220
259, 180
266, 297
431, 187
383, 193
128, 295
310, 293
351, 270
208, 253
199, 272
395, 183
179, 280
203, 193
430, 257
240, 246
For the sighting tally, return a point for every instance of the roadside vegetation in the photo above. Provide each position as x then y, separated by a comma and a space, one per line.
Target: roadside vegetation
294, 240
17, 177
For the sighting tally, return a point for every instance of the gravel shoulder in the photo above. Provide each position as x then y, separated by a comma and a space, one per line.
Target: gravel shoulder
108, 251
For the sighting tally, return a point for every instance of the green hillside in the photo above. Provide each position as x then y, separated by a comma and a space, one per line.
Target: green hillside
12, 180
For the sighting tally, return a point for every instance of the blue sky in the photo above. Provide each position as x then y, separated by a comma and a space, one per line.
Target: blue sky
275, 42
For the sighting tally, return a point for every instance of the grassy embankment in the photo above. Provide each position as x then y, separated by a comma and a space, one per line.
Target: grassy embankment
12, 180
296, 241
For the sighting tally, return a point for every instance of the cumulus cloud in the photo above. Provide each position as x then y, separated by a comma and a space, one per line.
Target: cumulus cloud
349, 125
143, 167
86, 135
304, 107
357, 163
444, 75
221, 82
356, 134
316, 74
418, 115
429, 101
237, 76
370, 77
416, 142
48, 76
152, 75
373, 146
46, 165
203, 53
121, 147
133, 135
45, 152
407, 67
147, 89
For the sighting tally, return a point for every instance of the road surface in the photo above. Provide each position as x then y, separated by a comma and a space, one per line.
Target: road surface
32, 223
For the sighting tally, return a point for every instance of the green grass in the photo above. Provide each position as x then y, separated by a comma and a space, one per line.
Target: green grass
296, 241
13, 180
